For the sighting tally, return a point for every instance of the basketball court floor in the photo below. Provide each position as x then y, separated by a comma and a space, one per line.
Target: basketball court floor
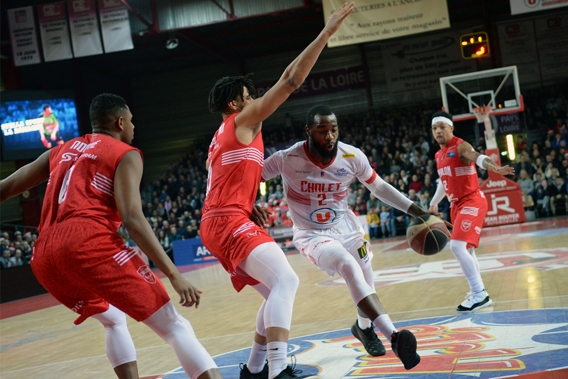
524, 334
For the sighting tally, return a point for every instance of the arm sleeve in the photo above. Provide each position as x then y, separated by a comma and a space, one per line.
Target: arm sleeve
388, 194
439, 195
273, 165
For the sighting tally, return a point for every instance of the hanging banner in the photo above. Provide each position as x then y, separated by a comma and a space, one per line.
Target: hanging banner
526, 6
115, 26
538, 47
23, 36
374, 20
54, 31
84, 28
413, 66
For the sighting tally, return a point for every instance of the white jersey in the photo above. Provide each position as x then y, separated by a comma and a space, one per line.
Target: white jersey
317, 195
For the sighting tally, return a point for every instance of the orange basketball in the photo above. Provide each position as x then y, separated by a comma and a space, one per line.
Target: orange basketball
427, 234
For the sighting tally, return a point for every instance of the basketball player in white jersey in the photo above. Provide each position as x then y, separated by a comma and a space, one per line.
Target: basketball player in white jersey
316, 175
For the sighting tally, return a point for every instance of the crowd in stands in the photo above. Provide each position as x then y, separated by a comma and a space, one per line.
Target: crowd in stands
399, 146
16, 248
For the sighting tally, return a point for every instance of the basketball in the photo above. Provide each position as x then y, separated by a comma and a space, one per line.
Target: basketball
427, 234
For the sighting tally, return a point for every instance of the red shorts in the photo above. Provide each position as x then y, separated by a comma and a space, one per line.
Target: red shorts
230, 239
86, 266
468, 217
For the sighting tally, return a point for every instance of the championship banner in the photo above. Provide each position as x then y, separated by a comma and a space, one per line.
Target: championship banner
518, 44
84, 28
54, 31
115, 26
413, 66
23, 36
526, 6
374, 20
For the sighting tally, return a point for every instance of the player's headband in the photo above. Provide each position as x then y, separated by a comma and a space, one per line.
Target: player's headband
442, 119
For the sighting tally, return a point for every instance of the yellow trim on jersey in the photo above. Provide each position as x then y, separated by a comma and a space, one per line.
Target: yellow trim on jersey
348, 155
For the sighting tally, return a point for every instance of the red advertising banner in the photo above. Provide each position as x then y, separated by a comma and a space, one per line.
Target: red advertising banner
504, 198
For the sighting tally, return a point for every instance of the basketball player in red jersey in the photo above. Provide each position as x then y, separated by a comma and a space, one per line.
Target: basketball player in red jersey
79, 258
455, 163
235, 161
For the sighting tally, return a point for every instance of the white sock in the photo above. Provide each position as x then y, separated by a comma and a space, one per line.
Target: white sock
277, 352
364, 322
257, 358
385, 325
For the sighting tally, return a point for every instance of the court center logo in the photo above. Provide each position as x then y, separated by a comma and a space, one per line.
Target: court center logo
480, 345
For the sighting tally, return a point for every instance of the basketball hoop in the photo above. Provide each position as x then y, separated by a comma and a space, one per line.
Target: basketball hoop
482, 113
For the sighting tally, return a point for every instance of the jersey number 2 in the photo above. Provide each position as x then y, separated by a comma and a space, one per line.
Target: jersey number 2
321, 197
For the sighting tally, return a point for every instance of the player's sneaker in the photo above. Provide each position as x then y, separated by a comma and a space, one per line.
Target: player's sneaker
246, 374
474, 301
403, 344
290, 372
369, 339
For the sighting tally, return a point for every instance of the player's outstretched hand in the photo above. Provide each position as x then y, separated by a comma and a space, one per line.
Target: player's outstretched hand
336, 19
260, 216
189, 295
503, 170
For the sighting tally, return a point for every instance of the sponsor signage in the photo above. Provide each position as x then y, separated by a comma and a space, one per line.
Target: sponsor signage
526, 6
191, 251
374, 20
504, 200
324, 82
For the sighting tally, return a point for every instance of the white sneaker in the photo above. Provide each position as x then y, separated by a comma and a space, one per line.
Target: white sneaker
474, 301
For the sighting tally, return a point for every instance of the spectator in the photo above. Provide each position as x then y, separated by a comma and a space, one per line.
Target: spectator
542, 195
416, 184
373, 221
526, 183
386, 226
558, 197
524, 164
5, 261
17, 259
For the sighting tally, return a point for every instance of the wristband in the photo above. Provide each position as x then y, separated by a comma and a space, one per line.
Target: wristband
480, 160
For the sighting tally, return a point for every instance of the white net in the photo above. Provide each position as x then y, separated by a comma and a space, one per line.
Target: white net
482, 113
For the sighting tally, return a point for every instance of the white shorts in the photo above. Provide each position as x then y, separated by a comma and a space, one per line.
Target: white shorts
348, 234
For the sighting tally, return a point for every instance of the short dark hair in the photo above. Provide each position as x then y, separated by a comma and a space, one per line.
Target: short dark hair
45, 106
105, 108
443, 114
322, 110
227, 89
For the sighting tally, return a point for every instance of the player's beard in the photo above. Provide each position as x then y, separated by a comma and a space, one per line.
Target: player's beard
322, 151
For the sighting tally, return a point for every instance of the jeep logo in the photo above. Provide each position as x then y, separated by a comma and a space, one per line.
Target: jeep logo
498, 183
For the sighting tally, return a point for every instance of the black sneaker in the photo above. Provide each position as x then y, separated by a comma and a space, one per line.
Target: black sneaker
369, 339
246, 374
290, 372
403, 344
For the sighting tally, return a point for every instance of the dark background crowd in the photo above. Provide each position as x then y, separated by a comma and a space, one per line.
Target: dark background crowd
400, 148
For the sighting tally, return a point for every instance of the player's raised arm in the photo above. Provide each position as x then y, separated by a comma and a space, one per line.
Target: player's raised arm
293, 76
25, 177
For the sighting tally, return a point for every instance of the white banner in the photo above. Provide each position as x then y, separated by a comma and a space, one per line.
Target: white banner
84, 28
115, 26
54, 31
374, 20
538, 47
23, 36
526, 6
413, 67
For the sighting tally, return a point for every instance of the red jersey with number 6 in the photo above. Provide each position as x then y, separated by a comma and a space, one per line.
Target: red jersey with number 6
459, 180
81, 181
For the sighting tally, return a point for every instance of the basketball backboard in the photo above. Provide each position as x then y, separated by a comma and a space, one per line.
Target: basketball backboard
498, 88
